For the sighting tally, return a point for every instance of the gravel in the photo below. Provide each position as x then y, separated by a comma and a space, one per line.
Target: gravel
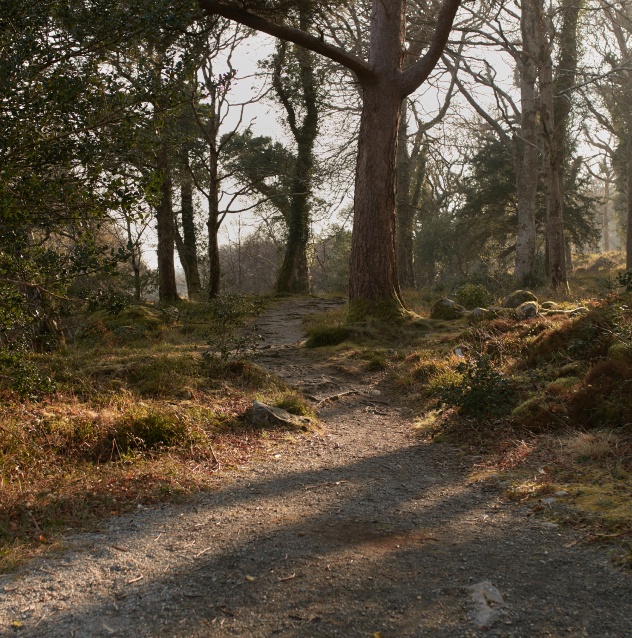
357, 530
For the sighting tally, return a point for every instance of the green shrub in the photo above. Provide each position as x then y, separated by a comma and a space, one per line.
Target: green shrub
226, 320
473, 296
483, 391
23, 377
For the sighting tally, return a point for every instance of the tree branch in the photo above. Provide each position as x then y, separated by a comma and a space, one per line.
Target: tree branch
416, 74
361, 68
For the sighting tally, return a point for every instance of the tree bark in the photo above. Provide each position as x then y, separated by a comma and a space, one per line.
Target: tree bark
605, 227
167, 289
628, 236
293, 276
525, 149
134, 259
405, 209
188, 248
555, 203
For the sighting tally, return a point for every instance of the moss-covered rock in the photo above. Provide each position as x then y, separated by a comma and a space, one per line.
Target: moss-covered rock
620, 351
527, 310
447, 310
549, 305
517, 298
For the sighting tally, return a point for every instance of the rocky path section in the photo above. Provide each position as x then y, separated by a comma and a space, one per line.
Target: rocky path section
359, 530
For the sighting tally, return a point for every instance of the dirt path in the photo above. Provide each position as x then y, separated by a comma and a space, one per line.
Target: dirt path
358, 531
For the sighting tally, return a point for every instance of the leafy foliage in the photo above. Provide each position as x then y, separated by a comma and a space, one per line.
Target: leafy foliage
483, 390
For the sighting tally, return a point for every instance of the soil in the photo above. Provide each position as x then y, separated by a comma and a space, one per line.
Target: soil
358, 529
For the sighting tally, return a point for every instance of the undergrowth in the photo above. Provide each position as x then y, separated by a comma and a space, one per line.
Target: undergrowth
128, 413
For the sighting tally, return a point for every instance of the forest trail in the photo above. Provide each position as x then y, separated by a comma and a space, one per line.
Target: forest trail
359, 530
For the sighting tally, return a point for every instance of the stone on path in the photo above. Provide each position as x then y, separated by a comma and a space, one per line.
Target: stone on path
266, 415
488, 602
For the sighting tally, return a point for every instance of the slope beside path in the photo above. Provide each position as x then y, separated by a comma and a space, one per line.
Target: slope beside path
356, 530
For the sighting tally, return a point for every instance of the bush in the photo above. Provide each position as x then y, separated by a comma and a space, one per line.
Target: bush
22, 376
483, 391
473, 296
226, 315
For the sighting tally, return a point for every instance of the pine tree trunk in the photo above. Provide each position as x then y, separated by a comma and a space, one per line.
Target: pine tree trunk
373, 285
167, 289
405, 210
526, 150
213, 225
605, 228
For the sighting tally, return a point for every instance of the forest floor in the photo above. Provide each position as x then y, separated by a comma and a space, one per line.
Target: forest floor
355, 528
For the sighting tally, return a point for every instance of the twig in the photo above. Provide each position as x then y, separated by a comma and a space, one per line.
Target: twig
335, 397
119, 548
203, 552
135, 580
313, 487
282, 580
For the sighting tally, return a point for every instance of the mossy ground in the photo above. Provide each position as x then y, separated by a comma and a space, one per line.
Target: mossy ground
135, 412
570, 382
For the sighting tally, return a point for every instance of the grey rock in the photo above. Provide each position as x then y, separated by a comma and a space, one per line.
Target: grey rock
266, 415
517, 298
488, 602
447, 309
527, 310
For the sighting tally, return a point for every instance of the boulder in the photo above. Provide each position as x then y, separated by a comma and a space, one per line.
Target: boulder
517, 298
549, 305
267, 415
527, 310
447, 309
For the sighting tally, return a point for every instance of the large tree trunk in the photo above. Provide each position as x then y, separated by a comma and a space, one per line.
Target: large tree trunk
373, 284
555, 203
628, 238
167, 289
605, 225
526, 149
188, 247
405, 209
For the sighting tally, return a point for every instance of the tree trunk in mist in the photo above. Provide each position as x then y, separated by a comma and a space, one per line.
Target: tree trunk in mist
552, 167
187, 247
605, 224
134, 259
165, 226
293, 275
405, 209
628, 236
526, 149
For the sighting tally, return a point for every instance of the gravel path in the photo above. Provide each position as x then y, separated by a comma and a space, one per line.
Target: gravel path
359, 530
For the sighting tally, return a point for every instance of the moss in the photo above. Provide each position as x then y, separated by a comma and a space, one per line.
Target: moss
320, 336
384, 309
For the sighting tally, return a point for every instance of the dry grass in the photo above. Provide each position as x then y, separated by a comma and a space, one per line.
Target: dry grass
136, 415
